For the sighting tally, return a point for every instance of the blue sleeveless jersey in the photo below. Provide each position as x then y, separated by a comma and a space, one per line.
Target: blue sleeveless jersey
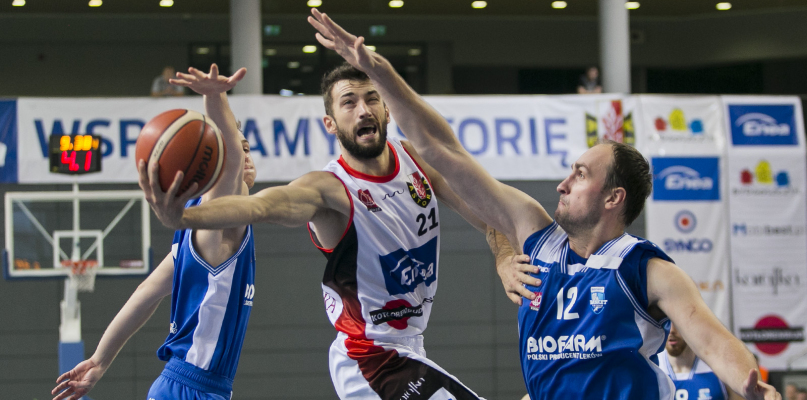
700, 383
587, 335
210, 305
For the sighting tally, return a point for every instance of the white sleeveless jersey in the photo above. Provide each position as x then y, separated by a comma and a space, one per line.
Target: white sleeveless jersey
381, 278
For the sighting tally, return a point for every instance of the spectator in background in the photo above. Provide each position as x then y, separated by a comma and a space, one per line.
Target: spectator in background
162, 88
590, 81
790, 391
801, 394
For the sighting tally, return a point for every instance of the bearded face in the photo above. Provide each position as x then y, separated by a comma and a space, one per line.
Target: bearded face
366, 141
675, 343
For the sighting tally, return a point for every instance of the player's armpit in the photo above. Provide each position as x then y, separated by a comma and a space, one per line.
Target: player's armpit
674, 293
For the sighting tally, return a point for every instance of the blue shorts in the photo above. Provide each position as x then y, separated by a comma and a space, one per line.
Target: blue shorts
182, 381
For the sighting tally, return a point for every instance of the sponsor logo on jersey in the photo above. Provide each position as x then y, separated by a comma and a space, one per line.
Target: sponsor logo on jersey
686, 179
685, 221
413, 388
391, 195
535, 304
249, 294
761, 180
405, 269
564, 347
367, 199
597, 299
763, 125
396, 313
419, 189
172, 328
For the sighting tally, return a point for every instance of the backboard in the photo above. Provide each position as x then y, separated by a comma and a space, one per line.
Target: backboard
45, 229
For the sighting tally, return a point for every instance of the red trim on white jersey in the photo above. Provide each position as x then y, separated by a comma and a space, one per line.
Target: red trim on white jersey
373, 178
349, 222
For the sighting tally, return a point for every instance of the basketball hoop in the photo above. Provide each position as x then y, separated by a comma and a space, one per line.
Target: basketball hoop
82, 274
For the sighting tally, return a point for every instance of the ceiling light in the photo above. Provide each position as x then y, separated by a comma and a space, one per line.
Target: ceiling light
203, 50
632, 5
309, 49
293, 64
270, 52
286, 92
414, 52
396, 3
372, 48
314, 3
166, 3
479, 4
96, 3
558, 4
18, 3
723, 6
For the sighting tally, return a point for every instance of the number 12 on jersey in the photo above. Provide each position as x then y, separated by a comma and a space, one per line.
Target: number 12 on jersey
571, 294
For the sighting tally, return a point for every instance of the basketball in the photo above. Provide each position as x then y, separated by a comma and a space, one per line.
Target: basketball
182, 140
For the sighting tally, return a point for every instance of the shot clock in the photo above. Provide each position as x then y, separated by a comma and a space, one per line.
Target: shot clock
75, 154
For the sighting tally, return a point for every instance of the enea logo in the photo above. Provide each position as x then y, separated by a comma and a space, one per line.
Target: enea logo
686, 179
406, 269
763, 125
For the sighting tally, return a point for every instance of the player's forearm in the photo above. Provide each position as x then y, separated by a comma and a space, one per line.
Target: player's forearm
223, 212
730, 360
137, 310
499, 245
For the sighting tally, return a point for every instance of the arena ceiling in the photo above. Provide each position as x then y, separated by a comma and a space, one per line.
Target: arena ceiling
654, 8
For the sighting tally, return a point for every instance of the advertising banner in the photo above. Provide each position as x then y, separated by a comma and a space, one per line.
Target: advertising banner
513, 137
686, 214
768, 213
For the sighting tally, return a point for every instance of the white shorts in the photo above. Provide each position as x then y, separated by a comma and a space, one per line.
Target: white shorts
392, 369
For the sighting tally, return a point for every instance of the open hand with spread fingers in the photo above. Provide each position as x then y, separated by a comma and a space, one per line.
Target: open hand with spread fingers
210, 83
350, 47
167, 205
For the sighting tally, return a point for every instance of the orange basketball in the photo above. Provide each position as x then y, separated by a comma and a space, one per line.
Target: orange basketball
182, 140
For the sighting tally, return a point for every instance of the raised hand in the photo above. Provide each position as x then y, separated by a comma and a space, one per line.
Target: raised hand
754, 389
74, 384
347, 45
514, 273
166, 205
210, 83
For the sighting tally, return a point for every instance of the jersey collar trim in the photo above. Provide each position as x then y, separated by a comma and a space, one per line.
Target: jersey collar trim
373, 178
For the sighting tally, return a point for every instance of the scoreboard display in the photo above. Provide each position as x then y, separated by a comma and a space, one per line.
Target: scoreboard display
75, 154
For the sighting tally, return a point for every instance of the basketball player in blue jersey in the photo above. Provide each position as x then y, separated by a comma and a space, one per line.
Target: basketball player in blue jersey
600, 300
693, 379
374, 215
209, 275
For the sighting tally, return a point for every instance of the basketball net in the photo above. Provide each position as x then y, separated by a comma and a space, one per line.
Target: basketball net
82, 274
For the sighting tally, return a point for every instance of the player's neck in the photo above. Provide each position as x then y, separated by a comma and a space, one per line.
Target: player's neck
584, 244
683, 363
382, 165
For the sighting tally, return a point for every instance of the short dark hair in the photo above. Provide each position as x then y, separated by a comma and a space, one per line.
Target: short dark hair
340, 73
631, 171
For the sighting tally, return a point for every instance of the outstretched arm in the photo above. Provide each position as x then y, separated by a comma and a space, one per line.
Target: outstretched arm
138, 309
214, 88
675, 294
503, 207
301, 201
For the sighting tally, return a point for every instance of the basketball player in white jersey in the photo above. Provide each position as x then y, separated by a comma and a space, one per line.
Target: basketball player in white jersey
373, 213
634, 287
693, 379
197, 367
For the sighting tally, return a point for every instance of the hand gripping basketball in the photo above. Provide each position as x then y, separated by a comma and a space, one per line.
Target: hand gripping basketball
167, 205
